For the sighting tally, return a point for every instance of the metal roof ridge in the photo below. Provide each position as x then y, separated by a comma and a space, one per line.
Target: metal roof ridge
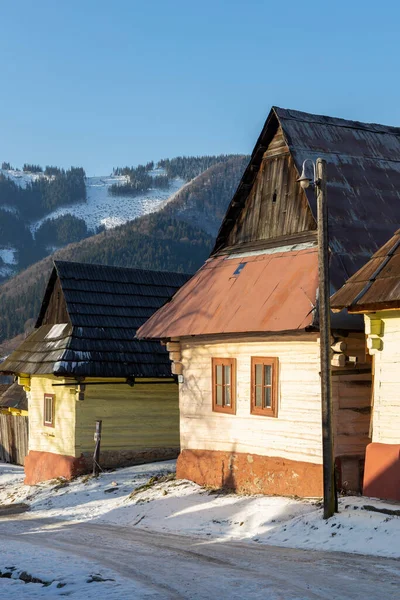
335, 121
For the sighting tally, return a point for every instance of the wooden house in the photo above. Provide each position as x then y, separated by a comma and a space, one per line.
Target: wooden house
13, 400
82, 363
13, 423
243, 332
375, 292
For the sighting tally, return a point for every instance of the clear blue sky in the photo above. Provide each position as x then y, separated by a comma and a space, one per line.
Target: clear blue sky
101, 83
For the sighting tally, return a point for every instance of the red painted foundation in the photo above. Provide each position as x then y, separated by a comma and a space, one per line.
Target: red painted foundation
382, 471
250, 473
42, 466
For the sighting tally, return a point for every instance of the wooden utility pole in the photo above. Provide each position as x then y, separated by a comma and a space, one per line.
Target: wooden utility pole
330, 500
96, 455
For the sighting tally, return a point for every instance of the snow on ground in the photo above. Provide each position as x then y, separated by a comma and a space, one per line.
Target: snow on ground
10, 209
7, 254
21, 178
110, 211
183, 507
6, 271
60, 576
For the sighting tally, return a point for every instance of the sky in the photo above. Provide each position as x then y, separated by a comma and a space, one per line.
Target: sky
106, 83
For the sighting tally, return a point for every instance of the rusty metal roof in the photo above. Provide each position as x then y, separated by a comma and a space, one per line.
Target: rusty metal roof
363, 168
376, 285
260, 292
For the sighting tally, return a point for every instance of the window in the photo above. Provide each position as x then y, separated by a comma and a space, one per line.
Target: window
264, 386
224, 385
49, 410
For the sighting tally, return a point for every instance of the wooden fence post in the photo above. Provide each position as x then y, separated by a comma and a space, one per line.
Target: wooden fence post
96, 455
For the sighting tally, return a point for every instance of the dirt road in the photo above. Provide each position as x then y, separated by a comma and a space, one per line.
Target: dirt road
177, 567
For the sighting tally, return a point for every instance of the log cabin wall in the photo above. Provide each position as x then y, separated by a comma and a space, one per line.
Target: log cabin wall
277, 205
136, 418
59, 439
295, 435
140, 423
351, 399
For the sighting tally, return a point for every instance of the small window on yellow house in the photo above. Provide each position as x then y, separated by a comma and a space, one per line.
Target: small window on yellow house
48, 419
264, 386
224, 385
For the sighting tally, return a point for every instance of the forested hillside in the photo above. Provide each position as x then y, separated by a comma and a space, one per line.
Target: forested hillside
30, 199
151, 242
144, 177
189, 167
43, 209
204, 202
43, 194
171, 239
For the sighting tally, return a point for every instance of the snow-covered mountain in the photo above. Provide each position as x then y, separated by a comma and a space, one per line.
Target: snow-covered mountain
110, 211
22, 178
100, 209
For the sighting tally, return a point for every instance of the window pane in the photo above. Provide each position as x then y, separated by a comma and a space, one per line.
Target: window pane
227, 374
258, 374
219, 395
227, 395
268, 374
48, 409
259, 396
267, 397
218, 374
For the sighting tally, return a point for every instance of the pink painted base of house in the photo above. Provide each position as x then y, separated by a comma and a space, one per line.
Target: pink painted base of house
250, 473
42, 466
382, 471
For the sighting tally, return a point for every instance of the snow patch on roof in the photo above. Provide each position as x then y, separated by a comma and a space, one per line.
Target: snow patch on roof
56, 331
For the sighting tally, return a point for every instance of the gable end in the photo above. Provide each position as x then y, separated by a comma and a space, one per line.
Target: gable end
276, 206
54, 307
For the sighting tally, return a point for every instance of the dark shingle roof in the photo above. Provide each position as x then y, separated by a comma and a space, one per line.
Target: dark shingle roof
363, 169
14, 397
105, 306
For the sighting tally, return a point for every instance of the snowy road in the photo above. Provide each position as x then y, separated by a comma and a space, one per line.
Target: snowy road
184, 567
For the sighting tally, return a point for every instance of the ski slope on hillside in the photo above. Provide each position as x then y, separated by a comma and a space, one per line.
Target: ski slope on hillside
21, 178
102, 209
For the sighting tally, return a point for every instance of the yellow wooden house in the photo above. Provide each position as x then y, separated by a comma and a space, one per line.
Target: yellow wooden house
82, 364
375, 292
